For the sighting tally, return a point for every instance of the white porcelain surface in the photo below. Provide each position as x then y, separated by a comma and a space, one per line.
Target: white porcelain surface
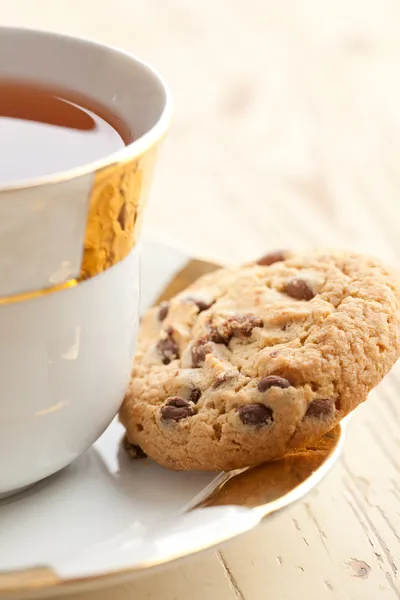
42, 232
108, 513
65, 361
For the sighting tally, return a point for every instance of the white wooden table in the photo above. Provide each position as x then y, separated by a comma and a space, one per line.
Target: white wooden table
286, 133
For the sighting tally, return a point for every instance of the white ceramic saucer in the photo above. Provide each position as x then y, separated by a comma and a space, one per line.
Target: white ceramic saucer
106, 517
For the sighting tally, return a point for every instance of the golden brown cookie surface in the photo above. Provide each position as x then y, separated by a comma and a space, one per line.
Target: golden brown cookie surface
250, 362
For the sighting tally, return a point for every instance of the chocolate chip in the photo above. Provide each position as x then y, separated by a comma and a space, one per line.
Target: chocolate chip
223, 378
272, 381
201, 304
163, 311
168, 349
194, 395
240, 326
133, 450
216, 337
299, 289
176, 408
271, 258
199, 351
319, 409
255, 414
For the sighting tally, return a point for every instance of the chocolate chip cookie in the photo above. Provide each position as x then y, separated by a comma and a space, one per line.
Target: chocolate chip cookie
250, 362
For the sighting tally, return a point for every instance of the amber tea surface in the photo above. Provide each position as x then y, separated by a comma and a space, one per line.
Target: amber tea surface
46, 130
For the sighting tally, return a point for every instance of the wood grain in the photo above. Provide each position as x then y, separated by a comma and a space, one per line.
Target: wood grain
286, 133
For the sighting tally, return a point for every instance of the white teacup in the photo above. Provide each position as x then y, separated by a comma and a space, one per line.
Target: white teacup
69, 263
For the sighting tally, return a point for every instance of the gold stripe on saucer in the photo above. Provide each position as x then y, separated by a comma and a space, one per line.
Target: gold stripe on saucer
36, 578
268, 485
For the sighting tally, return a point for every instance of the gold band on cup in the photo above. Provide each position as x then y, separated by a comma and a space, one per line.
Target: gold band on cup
116, 205
117, 199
